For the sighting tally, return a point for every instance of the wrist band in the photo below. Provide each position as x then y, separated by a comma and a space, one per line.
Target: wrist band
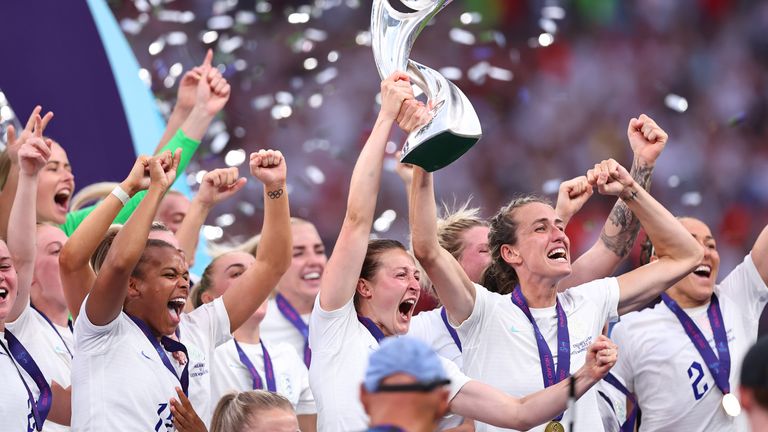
120, 194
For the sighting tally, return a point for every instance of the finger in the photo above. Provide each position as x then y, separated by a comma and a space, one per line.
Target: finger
42, 148
225, 91
11, 137
46, 119
399, 76
207, 61
31, 120
176, 159
38, 131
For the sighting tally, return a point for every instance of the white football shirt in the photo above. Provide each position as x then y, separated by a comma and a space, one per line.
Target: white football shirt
500, 347
291, 376
276, 328
48, 349
119, 381
340, 348
15, 412
660, 364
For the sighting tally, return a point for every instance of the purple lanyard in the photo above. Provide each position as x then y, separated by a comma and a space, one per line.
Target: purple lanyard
50, 323
629, 424
268, 371
372, 328
551, 377
170, 345
720, 368
19, 355
294, 318
451, 330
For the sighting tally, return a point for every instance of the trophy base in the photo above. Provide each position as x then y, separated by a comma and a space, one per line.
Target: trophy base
438, 151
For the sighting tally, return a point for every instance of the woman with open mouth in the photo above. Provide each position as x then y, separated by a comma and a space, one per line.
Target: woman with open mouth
530, 257
137, 301
368, 292
30, 394
667, 337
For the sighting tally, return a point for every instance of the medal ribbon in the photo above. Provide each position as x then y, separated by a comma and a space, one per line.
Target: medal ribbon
290, 313
19, 355
171, 345
50, 323
372, 327
548, 372
451, 330
719, 365
268, 370
629, 424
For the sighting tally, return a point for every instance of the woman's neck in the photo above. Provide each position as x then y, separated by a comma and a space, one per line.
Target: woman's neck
539, 293
365, 310
249, 332
302, 304
54, 310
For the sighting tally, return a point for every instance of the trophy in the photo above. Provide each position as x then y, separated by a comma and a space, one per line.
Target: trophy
454, 127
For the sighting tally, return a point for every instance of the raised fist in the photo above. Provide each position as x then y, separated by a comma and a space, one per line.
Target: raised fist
571, 197
162, 169
395, 90
413, 115
601, 356
219, 185
646, 138
610, 178
268, 166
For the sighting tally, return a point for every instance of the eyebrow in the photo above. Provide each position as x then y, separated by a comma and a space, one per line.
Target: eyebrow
545, 220
57, 243
234, 265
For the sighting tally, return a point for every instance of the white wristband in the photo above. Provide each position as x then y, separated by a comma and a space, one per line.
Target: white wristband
120, 194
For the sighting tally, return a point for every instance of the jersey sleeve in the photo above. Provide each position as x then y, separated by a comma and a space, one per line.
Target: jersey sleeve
746, 288
188, 148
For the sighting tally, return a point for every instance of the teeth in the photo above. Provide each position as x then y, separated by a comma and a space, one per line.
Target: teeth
410, 302
179, 300
311, 276
556, 251
702, 267
3, 292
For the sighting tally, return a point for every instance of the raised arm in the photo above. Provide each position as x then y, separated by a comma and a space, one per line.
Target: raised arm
454, 288
217, 185
492, 406
647, 140
9, 186
678, 251
32, 157
273, 256
107, 296
341, 273
77, 276
760, 254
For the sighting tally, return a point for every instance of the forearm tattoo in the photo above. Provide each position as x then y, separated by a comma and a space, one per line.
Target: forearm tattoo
275, 194
625, 223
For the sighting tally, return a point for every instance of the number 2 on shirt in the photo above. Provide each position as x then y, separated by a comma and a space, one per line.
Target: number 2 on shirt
696, 372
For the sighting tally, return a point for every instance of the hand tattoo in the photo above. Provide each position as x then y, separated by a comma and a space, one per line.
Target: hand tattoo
275, 194
625, 224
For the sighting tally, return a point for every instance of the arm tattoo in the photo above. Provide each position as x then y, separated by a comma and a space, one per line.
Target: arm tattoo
624, 224
275, 194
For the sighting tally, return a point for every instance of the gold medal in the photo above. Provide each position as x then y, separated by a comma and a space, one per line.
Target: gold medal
554, 426
731, 405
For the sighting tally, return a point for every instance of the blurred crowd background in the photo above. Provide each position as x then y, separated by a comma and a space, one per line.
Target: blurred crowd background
553, 82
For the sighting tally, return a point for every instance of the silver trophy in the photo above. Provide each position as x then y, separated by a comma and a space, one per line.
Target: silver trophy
454, 128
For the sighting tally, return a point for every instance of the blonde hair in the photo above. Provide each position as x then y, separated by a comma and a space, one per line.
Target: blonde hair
91, 194
235, 410
456, 222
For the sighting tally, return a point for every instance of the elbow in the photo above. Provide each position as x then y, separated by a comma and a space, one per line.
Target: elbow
694, 255
67, 262
424, 251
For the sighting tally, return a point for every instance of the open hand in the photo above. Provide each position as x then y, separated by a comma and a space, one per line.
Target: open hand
395, 90
218, 185
268, 166
14, 142
646, 138
185, 419
610, 178
571, 197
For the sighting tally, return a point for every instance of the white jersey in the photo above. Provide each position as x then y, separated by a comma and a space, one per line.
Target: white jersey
276, 328
119, 381
500, 347
428, 326
612, 404
340, 349
660, 364
291, 376
15, 411
51, 352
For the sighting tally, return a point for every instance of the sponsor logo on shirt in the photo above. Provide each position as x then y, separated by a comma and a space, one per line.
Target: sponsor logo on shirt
579, 347
514, 329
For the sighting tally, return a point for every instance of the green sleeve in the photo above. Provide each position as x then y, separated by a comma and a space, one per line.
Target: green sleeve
188, 148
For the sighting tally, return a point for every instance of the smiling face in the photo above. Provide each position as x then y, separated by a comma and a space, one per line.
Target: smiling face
159, 287
7, 283
46, 285
542, 249
474, 256
696, 288
55, 186
388, 296
301, 283
223, 273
